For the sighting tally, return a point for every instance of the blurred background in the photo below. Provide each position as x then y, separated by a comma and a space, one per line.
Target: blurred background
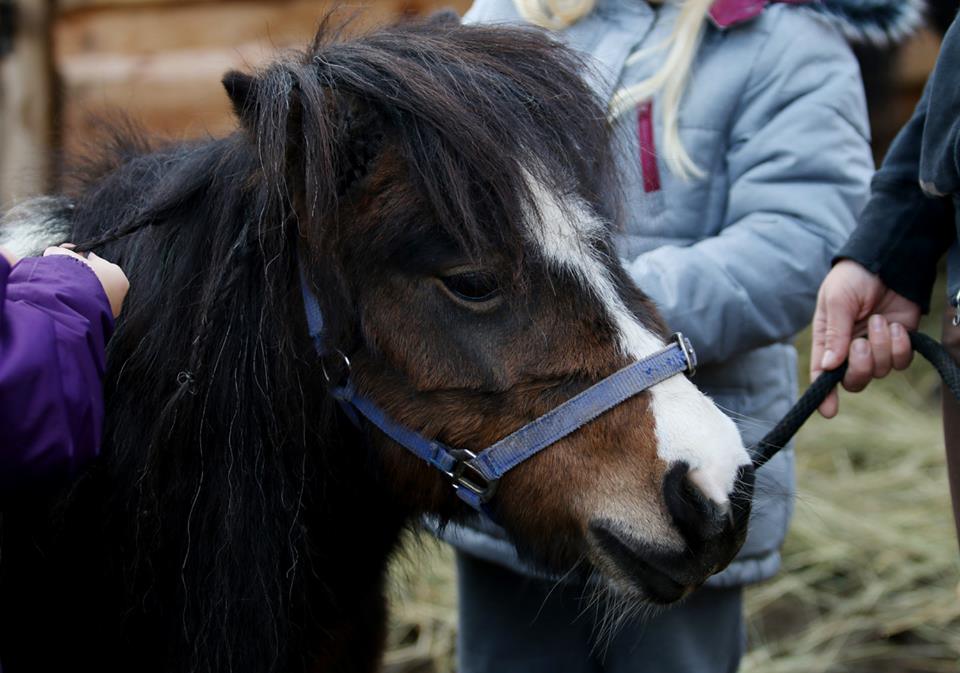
870, 578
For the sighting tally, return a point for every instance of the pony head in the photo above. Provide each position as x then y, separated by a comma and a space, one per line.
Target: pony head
453, 198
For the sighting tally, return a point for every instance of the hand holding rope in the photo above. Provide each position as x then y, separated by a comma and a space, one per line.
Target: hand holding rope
783, 432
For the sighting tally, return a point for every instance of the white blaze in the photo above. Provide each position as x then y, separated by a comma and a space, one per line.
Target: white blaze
689, 427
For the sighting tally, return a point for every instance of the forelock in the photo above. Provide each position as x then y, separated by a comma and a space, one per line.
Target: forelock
475, 109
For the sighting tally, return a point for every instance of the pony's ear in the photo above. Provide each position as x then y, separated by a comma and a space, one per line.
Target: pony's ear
240, 88
318, 132
360, 139
443, 17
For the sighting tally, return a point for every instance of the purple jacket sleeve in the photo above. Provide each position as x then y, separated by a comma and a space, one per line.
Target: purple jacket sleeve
54, 325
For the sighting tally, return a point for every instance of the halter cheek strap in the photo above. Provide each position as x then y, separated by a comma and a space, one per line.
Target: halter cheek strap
475, 475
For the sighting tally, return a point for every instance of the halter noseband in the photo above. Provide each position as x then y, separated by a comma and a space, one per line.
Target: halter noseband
475, 475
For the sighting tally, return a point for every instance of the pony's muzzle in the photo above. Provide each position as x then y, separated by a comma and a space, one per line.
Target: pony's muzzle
707, 526
712, 534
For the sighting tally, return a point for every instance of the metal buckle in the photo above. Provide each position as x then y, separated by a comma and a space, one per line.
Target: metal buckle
688, 354
467, 475
344, 374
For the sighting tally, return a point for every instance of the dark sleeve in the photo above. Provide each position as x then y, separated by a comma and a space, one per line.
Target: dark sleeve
909, 222
903, 232
54, 324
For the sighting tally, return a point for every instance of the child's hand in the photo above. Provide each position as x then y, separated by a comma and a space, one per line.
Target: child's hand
9, 256
111, 276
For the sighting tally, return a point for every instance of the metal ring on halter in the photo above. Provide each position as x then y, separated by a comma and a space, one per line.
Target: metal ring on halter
346, 368
467, 475
688, 353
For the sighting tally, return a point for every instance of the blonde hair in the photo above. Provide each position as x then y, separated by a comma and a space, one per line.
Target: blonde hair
554, 14
670, 80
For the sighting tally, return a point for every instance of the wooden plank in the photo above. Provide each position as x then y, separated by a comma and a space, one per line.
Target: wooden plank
174, 95
26, 107
162, 66
69, 5
159, 28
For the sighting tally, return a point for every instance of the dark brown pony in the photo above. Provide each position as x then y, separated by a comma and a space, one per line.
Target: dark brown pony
446, 191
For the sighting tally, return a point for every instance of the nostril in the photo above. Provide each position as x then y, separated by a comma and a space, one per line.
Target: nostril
697, 517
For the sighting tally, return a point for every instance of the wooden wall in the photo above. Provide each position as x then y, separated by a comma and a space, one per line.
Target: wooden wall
27, 107
159, 62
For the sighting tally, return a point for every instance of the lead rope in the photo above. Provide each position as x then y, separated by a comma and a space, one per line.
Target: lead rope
783, 432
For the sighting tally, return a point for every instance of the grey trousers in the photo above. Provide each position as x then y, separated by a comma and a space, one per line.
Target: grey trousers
510, 623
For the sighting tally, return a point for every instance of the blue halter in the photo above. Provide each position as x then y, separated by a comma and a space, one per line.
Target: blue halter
475, 475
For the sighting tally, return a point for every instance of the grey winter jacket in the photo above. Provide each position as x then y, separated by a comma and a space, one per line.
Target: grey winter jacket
775, 117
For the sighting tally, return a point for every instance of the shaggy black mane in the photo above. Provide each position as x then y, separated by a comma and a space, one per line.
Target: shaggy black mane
225, 516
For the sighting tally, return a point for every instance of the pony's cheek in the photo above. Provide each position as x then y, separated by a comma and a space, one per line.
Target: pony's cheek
410, 482
607, 471
414, 331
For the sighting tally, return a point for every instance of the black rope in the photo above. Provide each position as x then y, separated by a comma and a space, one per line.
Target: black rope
776, 439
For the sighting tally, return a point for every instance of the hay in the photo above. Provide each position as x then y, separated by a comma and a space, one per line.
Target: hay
870, 573
423, 615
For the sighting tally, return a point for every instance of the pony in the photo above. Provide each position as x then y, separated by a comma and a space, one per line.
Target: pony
446, 193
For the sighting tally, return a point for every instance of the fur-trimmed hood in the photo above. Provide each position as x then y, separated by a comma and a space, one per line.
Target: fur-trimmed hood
877, 22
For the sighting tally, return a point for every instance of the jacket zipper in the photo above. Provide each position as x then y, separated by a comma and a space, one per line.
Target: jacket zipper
648, 148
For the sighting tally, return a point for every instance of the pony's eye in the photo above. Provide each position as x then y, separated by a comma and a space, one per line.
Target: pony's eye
472, 286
